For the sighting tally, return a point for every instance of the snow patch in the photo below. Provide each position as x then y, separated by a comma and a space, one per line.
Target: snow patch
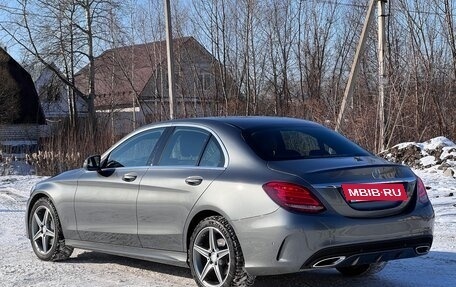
438, 142
438, 153
448, 152
428, 161
406, 145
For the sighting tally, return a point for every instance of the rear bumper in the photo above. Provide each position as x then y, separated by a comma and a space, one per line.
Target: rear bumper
284, 242
372, 252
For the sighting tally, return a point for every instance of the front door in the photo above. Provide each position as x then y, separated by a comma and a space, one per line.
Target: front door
105, 201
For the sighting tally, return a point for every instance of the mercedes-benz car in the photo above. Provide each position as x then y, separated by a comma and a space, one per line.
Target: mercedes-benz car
233, 198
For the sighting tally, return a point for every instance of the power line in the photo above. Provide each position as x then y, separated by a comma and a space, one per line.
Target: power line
342, 3
392, 9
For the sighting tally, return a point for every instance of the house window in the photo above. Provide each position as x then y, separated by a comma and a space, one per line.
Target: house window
205, 81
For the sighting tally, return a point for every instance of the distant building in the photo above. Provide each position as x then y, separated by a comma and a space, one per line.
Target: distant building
53, 95
21, 118
131, 84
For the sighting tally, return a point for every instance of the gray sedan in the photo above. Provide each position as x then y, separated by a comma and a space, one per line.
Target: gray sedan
234, 198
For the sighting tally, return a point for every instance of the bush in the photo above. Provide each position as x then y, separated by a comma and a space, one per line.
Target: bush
5, 164
68, 147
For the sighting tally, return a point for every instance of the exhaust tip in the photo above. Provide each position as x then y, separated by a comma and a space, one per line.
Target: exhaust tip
329, 262
421, 250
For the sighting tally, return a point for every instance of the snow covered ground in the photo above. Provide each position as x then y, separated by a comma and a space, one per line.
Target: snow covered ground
436, 153
20, 267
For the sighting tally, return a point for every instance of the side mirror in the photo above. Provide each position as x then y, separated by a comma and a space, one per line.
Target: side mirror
92, 163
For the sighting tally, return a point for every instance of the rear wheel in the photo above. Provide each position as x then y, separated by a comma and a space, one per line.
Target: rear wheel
362, 270
215, 255
46, 233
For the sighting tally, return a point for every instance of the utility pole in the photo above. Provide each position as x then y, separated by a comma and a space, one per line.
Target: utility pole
133, 69
170, 56
348, 93
382, 77
380, 144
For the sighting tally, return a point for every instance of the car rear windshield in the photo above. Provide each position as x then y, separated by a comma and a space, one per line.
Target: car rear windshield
300, 142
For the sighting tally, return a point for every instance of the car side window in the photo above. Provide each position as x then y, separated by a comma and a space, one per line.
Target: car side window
135, 151
184, 147
213, 155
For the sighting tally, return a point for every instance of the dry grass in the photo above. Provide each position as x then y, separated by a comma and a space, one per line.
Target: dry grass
67, 148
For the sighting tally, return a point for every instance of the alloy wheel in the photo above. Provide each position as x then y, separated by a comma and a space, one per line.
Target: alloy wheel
43, 230
211, 257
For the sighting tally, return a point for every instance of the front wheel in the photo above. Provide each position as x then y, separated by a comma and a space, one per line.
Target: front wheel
362, 270
45, 232
215, 255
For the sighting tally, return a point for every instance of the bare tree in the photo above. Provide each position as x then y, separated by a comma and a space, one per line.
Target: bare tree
63, 33
276, 57
280, 32
449, 15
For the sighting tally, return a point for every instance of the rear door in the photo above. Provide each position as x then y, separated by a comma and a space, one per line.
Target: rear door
105, 201
191, 159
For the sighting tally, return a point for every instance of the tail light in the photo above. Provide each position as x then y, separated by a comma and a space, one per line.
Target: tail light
421, 190
293, 197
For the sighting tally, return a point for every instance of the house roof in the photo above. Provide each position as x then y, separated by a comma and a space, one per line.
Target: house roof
121, 73
19, 100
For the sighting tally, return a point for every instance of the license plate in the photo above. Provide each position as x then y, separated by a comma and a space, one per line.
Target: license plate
374, 192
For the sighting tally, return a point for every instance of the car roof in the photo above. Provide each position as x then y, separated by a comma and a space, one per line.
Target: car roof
247, 122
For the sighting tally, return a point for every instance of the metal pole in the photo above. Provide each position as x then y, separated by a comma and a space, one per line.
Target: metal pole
170, 56
133, 69
382, 77
355, 66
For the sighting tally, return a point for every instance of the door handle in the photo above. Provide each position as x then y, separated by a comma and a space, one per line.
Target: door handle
129, 177
194, 180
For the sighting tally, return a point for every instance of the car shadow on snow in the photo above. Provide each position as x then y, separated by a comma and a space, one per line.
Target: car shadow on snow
327, 277
432, 270
100, 258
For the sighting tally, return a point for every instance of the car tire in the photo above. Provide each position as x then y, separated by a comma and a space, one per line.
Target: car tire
46, 233
215, 255
362, 270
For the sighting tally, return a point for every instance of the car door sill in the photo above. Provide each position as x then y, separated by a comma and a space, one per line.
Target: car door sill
175, 258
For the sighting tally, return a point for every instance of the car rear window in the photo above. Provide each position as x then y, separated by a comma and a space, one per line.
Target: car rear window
299, 142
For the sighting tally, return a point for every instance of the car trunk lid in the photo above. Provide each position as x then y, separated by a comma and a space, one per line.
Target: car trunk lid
327, 175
